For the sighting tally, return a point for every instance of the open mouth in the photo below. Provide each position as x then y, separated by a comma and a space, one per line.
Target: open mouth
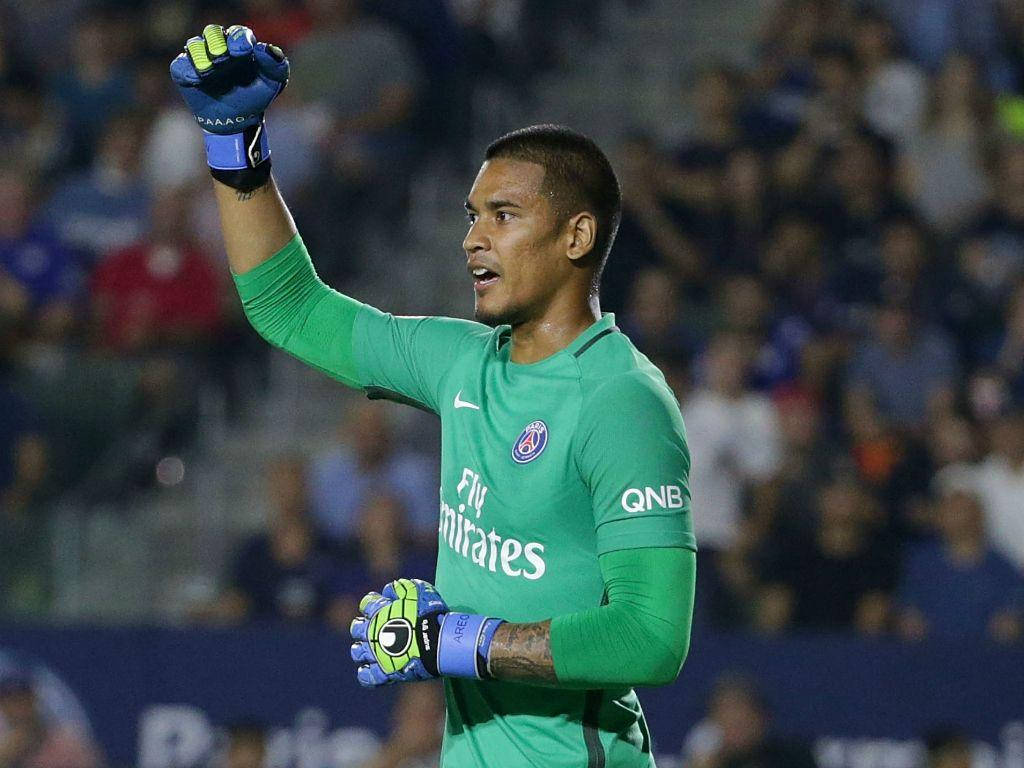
484, 278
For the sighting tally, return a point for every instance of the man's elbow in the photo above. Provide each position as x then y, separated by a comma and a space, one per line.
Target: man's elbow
662, 665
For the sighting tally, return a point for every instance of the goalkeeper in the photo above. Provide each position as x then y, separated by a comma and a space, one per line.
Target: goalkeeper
566, 563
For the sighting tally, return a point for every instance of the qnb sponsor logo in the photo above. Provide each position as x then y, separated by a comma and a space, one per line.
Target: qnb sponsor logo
486, 548
236, 120
647, 498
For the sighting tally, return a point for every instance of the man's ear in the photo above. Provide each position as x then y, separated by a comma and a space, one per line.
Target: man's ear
583, 234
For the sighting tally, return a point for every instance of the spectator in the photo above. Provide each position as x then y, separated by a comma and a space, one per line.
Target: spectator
1000, 482
106, 207
895, 89
715, 101
285, 574
796, 274
958, 587
1007, 354
25, 556
942, 169
736, 733
159, 293
833, 111
907, 265
28, 739
96, 84
786, 507
369, 468
745, 213
933, 29
35, 266
861, 197
371, 103
651, 232
977, 295
905, 373
652, 317
31, 127
999, 229
841, 578
745, 308
738, 434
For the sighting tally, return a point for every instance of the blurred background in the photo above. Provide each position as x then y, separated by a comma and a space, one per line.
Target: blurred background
822, 247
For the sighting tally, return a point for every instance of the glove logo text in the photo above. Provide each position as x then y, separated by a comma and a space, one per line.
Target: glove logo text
395, 637
222, 121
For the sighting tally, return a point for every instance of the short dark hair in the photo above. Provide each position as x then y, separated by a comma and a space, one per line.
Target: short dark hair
577, 175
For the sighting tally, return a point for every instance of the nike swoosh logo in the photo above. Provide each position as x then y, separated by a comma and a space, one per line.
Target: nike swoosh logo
460, 403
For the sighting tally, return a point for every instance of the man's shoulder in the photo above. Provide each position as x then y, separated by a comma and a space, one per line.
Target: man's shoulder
614, 368
637, 397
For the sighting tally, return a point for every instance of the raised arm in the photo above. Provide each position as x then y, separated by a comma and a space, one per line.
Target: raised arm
228, 80
256, 224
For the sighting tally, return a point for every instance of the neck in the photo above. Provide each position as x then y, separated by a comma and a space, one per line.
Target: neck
542, 337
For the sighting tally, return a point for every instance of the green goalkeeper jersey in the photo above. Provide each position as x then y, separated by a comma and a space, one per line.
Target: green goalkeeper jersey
544, 467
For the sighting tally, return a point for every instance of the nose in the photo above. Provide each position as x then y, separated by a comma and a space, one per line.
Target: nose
476, 240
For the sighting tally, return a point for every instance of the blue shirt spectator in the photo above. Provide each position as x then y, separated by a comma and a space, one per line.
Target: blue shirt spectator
907, 371
107, 207
286, 575
957, 587
42, 265
346, 480
95, 86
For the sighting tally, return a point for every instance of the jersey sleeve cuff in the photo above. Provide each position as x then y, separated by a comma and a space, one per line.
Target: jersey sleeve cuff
293, 256
640, 532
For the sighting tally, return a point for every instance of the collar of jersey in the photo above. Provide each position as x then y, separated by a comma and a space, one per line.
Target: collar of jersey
607, 321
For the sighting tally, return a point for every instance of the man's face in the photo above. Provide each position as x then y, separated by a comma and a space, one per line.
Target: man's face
515, 248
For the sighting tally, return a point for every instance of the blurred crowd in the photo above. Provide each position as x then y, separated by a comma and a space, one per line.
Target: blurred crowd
118, 319
828, 264
830, 269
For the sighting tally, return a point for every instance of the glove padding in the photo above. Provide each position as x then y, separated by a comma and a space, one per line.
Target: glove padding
396, 634
228, 79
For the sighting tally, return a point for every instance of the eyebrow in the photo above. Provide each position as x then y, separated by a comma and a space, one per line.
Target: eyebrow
493, 205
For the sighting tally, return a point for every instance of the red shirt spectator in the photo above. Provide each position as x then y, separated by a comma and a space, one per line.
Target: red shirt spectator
160, 292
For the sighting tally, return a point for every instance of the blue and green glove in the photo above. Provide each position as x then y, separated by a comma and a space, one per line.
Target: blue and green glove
228, 80
406, 632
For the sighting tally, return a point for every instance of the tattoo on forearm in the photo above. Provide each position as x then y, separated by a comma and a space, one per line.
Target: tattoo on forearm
523, 652
249, 195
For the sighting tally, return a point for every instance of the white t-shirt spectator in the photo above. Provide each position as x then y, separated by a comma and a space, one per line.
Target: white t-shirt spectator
1001, 487
733, 443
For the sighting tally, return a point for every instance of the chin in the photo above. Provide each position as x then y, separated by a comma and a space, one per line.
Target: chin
495, 316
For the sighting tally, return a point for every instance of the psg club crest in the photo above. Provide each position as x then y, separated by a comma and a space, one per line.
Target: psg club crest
531, 442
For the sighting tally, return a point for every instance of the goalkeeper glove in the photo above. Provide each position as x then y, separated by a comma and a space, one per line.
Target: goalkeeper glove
228, 80
406, 633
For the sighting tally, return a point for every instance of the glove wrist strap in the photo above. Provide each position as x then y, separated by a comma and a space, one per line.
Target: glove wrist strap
464, 644
240, 160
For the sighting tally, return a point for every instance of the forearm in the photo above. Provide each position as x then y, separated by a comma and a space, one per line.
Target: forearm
256, 224
641, 637
522, 652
